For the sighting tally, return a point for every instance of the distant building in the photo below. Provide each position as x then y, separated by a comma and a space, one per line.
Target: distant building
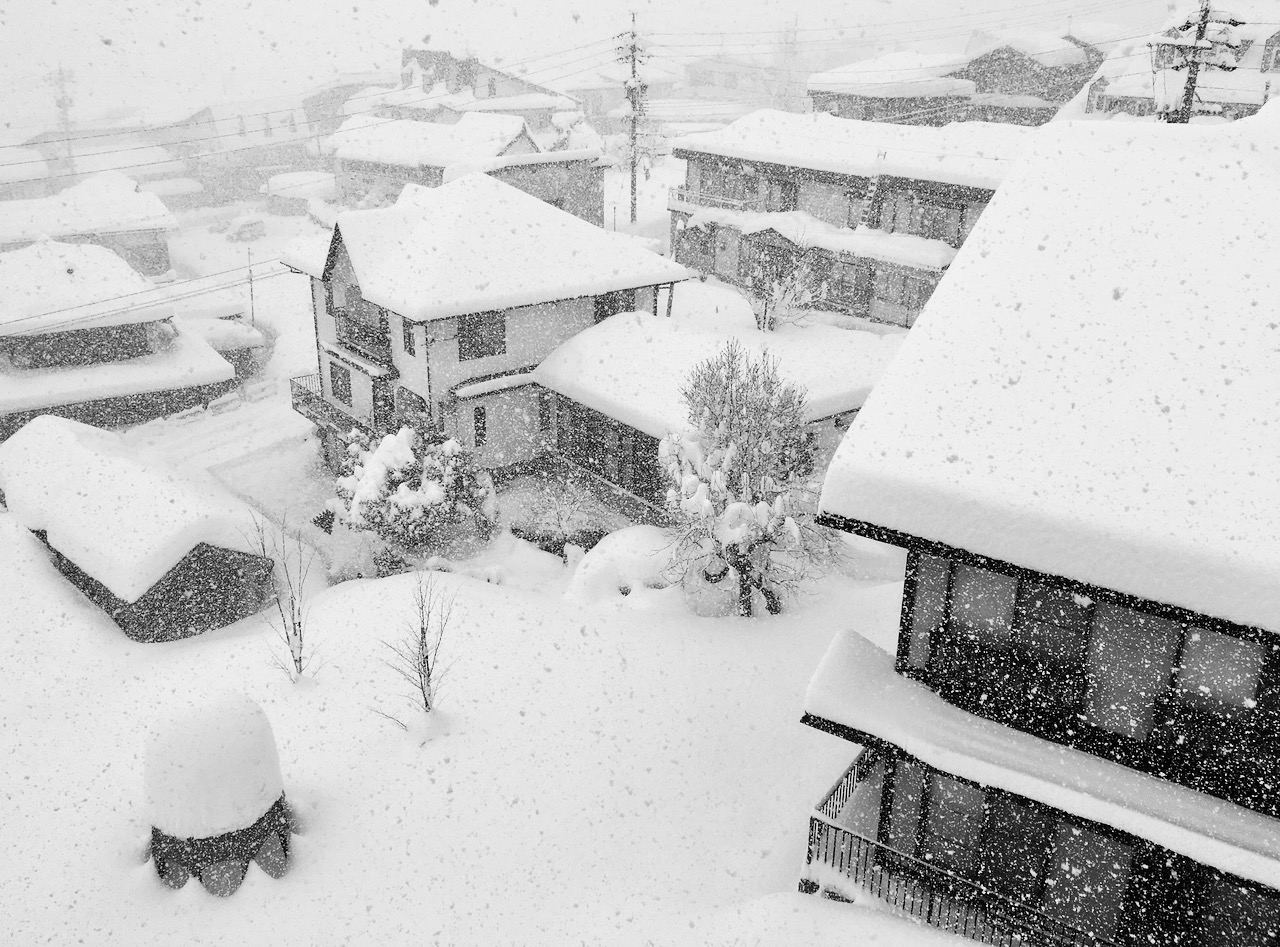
1141, 80
107, 209
411, 325
1074, 735
83, 336
1022, 79
876, 211
166, 556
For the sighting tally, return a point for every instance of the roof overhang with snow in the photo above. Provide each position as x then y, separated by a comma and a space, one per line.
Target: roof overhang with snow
1099, 406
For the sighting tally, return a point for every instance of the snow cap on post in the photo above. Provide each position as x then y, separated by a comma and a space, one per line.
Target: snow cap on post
212, 768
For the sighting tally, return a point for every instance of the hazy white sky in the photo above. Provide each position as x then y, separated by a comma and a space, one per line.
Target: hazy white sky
125, 51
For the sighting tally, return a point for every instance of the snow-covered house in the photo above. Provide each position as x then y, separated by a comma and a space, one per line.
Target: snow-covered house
165, 555
1146, 77
108, 209
443, 305
615, 387
375, 158
83, 335
876, 210
1078, 737
1017, 77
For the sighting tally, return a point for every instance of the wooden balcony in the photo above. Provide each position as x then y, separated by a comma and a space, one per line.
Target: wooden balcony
363, 339
921, 889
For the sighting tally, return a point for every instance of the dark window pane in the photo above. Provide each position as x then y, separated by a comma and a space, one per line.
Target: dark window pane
1086, 880
482, 335
1219, 671
340, 383
952, 824
929, 608
982, 603
1015, 840
1131, 657
480, 424
1239, 916
904, 809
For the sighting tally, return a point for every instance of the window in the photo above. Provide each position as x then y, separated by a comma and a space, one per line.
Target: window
952, 824
905, 806
406, 331
982, 604
1237, 915
1131, 656
1087, 877
410, 404
1219, 672
482, 335
888, 286
929, 608
479, 424
610, 304
544, 410
340, 383
781, 196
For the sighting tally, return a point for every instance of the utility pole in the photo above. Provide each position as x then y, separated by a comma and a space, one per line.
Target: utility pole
635, 95
1183, 114
1191, 53
253, 319
62, 78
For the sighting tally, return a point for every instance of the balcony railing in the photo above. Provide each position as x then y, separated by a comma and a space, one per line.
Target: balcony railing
924, 890
308, 400
683, 195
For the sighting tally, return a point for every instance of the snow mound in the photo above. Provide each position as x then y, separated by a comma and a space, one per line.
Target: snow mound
631, 558
212, 768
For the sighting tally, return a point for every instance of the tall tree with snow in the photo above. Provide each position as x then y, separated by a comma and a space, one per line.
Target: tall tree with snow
738, 477
412, 488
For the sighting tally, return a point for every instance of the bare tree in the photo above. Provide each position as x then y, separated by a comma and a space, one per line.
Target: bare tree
415, 656
293, 559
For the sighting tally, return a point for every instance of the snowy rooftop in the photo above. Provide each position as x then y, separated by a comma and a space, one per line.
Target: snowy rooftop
525, 101
476, 244
59, 287
856, 685
896, 74
417, 144
632, 366
976, 154
123, 519
105, 203
1099, 404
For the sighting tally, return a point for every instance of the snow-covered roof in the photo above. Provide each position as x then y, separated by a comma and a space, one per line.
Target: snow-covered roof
21, 164
967, 153
1100, 403
105, 203
412, 144
476, 244
1045, 47
487, 165
301, 185
687, 110
632, 366
188, 361
806, 230
57, 287
894, 75
856, 685
524, 101
124, 519
172, 187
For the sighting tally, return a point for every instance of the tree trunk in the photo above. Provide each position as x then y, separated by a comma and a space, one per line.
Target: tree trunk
748, 580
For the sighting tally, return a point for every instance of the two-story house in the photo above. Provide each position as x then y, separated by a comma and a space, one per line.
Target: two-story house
442, 305
1144, 79
876, 210
1075, 735
84, 336
375, 158
1018, 77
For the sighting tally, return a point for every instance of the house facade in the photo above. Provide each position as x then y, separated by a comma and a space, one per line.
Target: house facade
875, 226
1066, 718
408, 328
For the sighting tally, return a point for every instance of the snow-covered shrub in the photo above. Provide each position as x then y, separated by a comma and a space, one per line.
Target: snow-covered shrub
628, 559
740, 479
780, 300
412, 489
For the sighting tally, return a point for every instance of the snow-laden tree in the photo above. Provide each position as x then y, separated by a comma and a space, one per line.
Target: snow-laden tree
740, 476
412, 489
779, 294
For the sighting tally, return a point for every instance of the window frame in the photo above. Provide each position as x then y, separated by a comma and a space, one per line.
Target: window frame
482, 335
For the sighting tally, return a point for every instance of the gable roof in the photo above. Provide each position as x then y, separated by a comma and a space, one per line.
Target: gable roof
58, 287
966, 153
1093, 393
411, 144
476, 244
121, 518
104, 203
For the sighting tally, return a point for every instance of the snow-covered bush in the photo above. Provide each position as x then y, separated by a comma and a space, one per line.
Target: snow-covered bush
628, 559
740, 477
412, 489
780, 300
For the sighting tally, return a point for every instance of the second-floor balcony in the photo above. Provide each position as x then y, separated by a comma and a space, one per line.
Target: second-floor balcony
307, 394
373, 342
686, 197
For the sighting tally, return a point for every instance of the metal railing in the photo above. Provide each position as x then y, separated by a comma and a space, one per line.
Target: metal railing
683, 195
937, 896
834, 801
307, 395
